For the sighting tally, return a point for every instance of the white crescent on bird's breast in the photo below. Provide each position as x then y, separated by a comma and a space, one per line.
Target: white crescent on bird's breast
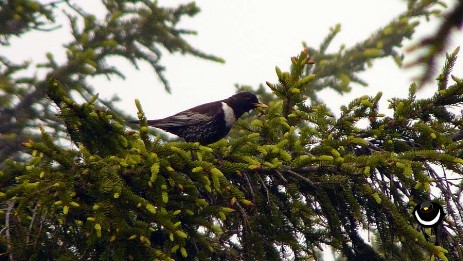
229, 115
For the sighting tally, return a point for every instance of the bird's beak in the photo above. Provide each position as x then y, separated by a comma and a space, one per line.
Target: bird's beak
259, 105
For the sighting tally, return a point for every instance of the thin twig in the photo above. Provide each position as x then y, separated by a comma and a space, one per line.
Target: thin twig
281, 176
7, 225
245, 217
266, 190
37, 28
249, 184
34, 215
54, 2
310, 182
76, 8
40, 228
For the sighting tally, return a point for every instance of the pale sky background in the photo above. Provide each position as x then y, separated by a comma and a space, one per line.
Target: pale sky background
253, 37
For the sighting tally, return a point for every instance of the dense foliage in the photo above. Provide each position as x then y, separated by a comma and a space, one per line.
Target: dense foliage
133, 31
288, 182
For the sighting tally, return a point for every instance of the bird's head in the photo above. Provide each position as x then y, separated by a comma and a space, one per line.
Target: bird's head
243, 102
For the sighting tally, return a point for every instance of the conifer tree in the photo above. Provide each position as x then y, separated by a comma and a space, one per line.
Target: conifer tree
287, 183
135, 31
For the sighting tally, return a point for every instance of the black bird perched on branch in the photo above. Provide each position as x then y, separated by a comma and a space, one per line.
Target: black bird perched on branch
209, 122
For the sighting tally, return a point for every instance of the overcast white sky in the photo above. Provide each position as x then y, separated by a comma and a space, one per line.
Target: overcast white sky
253, 37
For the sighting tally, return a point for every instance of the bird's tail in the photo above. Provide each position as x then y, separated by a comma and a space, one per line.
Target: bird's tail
152, 122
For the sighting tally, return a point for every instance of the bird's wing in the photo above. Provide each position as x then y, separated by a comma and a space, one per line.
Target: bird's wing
198, 115
186, 118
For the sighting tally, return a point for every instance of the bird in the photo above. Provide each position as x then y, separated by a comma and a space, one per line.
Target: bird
209, 122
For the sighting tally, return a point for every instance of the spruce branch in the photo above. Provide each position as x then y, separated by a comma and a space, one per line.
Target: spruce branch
437, 43
95, 41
